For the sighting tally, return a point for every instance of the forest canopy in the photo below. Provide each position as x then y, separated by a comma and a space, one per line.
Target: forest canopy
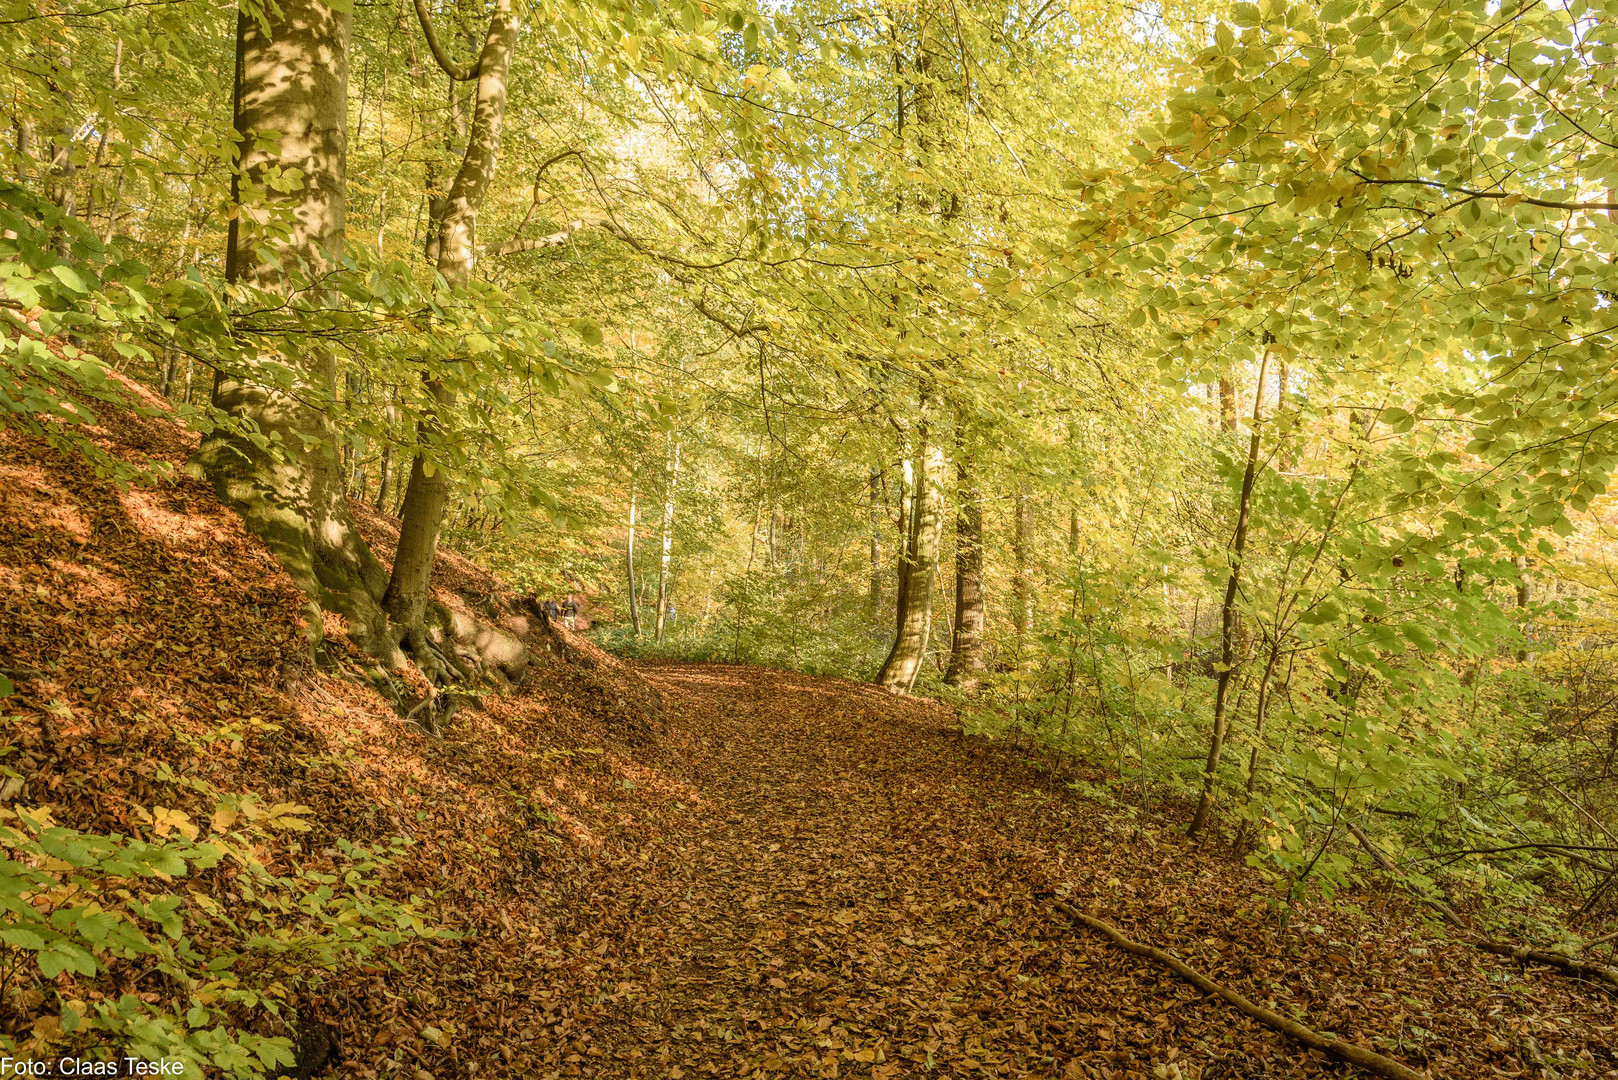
1219, 395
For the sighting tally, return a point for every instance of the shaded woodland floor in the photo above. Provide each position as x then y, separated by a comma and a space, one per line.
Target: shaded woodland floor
679, 870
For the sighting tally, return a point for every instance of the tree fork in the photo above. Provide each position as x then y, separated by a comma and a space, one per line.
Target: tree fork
427, 491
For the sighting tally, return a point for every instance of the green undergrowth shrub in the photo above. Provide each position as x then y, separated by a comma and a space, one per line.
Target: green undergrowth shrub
1388, 719
186, 948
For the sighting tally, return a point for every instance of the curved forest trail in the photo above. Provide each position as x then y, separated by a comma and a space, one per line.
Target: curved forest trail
860, 891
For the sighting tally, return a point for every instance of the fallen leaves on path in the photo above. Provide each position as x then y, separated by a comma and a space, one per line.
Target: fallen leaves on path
798, 877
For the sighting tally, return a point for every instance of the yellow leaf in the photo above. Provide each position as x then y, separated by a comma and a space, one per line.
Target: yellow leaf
632, 46
165, 821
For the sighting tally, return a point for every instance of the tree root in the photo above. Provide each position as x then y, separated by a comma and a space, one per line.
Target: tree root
1353, 1053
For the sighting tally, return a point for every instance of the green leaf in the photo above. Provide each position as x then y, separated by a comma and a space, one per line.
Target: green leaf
69, 277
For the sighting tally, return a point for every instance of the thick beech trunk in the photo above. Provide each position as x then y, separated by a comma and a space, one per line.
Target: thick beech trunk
427, 491
292, 79
966, 650
918, 567
1227, 624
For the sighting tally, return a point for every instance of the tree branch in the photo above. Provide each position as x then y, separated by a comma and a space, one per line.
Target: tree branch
1471, 194
458, 72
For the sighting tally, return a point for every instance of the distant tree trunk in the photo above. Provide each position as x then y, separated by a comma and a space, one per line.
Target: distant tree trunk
1227, 404
966, 650
1227, 625
382, 480
1525, 597
292, 80
99, 162
629, 564
63, 192
875, 602
668, 537
1022, 584
427, 491
918, 568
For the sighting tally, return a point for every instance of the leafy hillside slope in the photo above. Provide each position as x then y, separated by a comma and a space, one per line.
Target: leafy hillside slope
162, 678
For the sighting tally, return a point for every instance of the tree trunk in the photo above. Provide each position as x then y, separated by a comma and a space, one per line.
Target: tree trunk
875, 602
292, 79
382, 480
629, 565
918, 567
966, 650
1227, 404
668, 538
1227, 625
427, 491
1022, 585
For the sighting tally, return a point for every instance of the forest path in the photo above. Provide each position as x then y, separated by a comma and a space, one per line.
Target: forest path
862, 892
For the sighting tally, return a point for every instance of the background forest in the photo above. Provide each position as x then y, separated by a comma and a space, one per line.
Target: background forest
1216, 395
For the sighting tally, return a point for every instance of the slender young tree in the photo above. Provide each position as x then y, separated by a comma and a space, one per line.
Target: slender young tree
1228, 616
875, 600
629, 562
1022, 581
668, 535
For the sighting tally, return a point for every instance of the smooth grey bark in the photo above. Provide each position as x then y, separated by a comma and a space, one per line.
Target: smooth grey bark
427, 491
918, 567
668, 536
292, 79
629, 564
1227, 622
966, 650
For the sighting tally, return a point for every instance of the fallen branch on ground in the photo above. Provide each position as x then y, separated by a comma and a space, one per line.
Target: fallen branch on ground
1353, 1053
1387, 864
1523, 955
1555, 960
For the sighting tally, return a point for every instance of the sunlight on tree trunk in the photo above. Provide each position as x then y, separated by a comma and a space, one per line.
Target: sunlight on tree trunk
668, 535
918, 568
292, 79
427, 490
629, 563
966, 650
